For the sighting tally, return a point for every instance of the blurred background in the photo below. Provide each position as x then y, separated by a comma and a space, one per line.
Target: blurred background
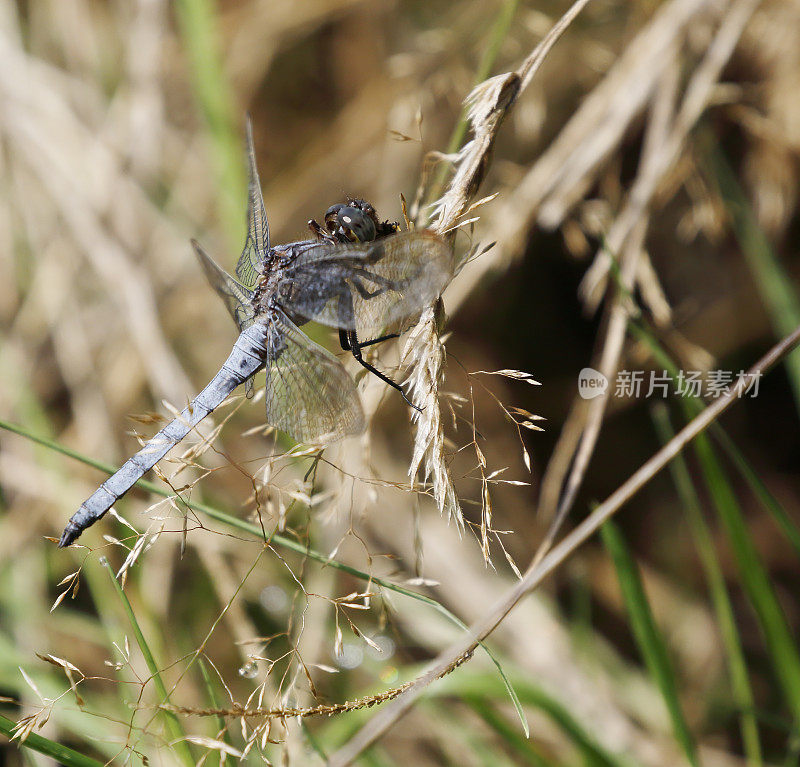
668, 131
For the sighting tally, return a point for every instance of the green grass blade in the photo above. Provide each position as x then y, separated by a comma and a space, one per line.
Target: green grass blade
496, 37
318, 748
770, 503
693, 406
773, 283
198, 23
173, 725
723, 610
460, 735
60, 754
484, 686
777, 635
523, 748
647, 635
214, 757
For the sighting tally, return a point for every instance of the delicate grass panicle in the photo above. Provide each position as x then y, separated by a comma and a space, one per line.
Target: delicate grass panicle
425, 353
487, 106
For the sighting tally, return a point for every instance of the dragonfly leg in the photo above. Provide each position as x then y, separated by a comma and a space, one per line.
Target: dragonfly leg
364, 292
345, 343
320, 232
355, 347
362, 344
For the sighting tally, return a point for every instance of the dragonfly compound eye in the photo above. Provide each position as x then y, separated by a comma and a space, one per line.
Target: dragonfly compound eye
331, 217
355, 224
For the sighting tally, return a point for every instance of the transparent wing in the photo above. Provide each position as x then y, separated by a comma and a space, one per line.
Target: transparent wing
309, 394
256, 245
369, 287
237, 298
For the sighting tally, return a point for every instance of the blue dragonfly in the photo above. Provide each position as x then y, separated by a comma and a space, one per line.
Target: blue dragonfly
358, 275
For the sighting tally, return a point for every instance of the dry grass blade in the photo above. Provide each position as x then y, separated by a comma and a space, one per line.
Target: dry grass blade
662, 146
572, 162
576, 444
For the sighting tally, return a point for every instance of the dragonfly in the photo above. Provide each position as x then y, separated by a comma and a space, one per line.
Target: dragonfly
358, 275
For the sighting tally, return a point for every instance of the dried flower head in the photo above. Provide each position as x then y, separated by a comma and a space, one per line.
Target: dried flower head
424, 352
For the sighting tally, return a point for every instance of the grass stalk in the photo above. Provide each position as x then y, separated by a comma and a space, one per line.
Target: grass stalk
199, 28
648, 637
723, 610
61, 755
171, 721
781, 646
773, 283
498, 34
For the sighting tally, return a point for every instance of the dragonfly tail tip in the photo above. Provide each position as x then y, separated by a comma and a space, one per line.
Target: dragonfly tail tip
68, 537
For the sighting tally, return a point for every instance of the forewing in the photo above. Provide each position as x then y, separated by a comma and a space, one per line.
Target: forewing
309, 394
369, 287
256, 245
237, 298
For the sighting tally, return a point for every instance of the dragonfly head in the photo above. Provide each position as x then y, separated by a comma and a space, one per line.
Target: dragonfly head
356, 221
